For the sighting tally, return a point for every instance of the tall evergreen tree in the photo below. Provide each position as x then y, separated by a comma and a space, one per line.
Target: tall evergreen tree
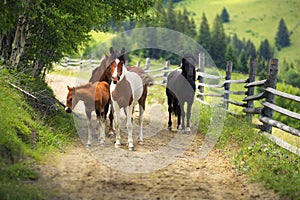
237, 44
180, 22
171, 16
250, 49
224, 16
218, 43
282, 38
265, 50
192, 28
243, 62
231, 55
204, 37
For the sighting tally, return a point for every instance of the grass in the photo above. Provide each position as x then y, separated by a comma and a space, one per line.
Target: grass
252, 19
26, 136
262, 160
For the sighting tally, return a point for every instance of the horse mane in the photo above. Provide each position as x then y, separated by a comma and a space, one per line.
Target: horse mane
189, 58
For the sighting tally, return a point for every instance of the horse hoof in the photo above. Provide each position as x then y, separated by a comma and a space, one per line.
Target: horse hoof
131, 148
88, 145
170, 128
102, 142
181, 131
117, 145
141, 142
111, 135
188, 130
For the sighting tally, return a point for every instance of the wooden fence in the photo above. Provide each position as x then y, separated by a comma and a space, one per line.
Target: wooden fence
268, 85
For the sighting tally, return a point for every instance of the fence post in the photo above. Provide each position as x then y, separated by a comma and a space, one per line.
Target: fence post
227, 85
147, 66
138, 64
201, 69
250, 91
167, 66
271, 82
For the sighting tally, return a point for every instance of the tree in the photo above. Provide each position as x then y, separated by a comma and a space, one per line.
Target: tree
171, 16
243, 62
250, 49
265, 50
224, 16
38, 33
204, 37
218, 43
282, 38
231, 55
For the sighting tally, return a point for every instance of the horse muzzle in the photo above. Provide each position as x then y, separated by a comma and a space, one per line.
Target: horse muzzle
68, 110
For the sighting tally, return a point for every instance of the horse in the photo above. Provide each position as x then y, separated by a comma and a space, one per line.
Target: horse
126, 89
98, 75
96, 97
180, 89
103, 73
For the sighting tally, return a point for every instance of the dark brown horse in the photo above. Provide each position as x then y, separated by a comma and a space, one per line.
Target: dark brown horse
96, 97
180, 89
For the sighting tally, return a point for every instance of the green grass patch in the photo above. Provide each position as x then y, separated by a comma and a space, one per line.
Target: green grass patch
262, 159
29, 130
251, 19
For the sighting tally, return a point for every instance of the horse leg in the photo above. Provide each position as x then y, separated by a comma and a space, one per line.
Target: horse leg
141, 120
182, 113
170, 113
188, 117
89, 124
129, 126
101, 120
142, 105
111, 118
178, 108
117, 124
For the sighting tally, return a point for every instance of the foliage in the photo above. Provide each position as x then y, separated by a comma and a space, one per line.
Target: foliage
224, 16
275, 167
265, 50
204, 36
261, 159
47, 30
218, 43
287, 104
282, 36
25, 136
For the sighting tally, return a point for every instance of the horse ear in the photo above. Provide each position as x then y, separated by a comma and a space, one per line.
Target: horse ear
111, 50
73, 90
123, 51
69, 88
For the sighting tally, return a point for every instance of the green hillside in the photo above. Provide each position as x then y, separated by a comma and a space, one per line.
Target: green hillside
253, 19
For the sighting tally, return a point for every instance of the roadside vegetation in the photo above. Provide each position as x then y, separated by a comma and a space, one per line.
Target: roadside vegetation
30, 129
262, 160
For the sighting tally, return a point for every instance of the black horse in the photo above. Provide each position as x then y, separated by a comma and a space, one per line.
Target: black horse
180, 89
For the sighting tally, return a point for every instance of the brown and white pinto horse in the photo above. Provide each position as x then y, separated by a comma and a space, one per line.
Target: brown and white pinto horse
103, 73
126, 89
96, 97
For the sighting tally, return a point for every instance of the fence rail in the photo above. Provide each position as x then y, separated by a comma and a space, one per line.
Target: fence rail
269, 92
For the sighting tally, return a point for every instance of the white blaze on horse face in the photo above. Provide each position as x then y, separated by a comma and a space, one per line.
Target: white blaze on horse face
115, 73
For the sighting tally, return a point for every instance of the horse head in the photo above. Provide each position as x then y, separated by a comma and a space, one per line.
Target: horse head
72, 100
188, 67
117, 70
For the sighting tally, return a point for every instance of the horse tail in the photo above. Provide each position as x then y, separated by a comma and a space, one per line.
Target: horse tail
147, 79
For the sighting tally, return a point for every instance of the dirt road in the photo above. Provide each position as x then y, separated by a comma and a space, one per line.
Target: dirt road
104, 172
